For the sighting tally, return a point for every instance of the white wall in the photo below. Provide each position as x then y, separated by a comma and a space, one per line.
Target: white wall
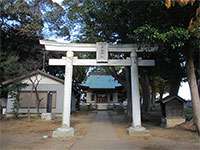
43, 80
59, 88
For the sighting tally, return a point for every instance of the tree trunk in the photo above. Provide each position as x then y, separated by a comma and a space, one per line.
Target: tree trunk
38, 110
127, 84
145, 92
37, 102
78, 103
153, 93
193, 88
161, 92
174, 86
129, 99
28, 111
199, 86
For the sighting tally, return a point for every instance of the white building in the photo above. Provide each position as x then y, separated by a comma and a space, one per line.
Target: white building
50, 90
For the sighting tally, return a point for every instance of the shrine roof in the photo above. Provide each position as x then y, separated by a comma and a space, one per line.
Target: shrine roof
170, 98
101, 82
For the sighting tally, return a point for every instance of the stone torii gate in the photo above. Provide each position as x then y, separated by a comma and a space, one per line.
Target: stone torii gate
102, 50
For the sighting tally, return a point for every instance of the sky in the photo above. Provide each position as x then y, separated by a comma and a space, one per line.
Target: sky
184, 90
58, 1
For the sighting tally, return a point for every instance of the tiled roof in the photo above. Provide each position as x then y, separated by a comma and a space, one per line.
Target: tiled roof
101, 82
169, 98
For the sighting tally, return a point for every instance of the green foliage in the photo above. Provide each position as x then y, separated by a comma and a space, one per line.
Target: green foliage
174, 38
20, 15
22, 24
107, 20
147, 34
114, 21
79, 73
30, 17
9, 66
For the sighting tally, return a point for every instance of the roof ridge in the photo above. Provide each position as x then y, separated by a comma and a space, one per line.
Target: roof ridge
10, 81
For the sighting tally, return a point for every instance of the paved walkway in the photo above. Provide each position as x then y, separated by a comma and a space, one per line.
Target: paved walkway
101, 136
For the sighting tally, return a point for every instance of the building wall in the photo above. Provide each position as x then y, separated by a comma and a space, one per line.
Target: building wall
59, 88
89, 97
174, 108
42, 80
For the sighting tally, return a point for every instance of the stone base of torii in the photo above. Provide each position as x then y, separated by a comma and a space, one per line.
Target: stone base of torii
69, 61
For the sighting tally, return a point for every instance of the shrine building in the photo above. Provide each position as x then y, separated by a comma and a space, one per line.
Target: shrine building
102, 91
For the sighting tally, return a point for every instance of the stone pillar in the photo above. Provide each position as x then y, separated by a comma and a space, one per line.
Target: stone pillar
108, 97
135, 96
95, 97
66, 130
89, 97
115, 97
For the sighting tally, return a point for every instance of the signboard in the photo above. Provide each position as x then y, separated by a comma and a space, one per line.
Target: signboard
102, 52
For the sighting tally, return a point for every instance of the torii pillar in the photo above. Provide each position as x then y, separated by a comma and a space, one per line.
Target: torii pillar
65, 130
135, 96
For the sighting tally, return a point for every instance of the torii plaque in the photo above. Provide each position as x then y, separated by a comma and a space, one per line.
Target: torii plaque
102, 52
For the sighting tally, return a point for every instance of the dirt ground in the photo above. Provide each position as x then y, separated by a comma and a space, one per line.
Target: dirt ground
28, 135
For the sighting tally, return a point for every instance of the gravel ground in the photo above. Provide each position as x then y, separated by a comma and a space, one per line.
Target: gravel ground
102, 130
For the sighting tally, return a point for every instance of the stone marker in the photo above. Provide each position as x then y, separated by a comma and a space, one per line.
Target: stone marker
47, 116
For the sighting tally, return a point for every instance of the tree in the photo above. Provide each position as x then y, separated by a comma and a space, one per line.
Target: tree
179, 40
193, 28
35, 82
23, 23
115, 21
9, 66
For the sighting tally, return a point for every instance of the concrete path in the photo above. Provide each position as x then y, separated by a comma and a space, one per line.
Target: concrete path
101, 136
